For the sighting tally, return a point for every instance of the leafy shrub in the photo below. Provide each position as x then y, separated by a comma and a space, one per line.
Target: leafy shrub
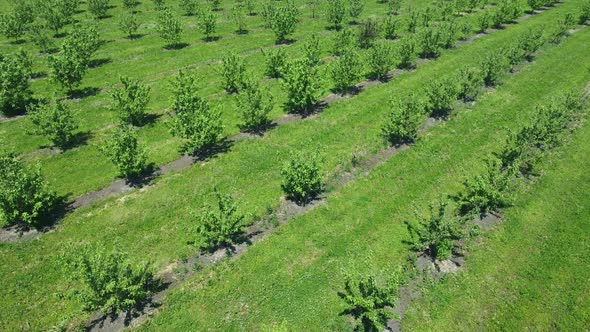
484, 21
98, 8
302, 86
407, 52
224, 226
335, 12
493, 67
110, 282
535, 4
368, 32
390, 27
485, 192
54, 121
393, 7
233, 72
14, 23
430, 40
239, 17
159, 4
404, 119
268, 12
25, 198
441, 95
311, 49
435, 234
530, 41
283, 20
380, 60
563, 26
346, 71
15, 91
469, 82
368, 303
84, 41
254, 105
57, 13
128, 24
130, 101
413, 20
189, 7
208, 23
302, 177
584, 12
355, 9
129, 4
169, 27
275, 62
506, 12
193, 119
448, 33
344, 40
125, 152
40, 36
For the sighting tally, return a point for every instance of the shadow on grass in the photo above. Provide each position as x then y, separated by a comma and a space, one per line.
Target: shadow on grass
83, 93
99, 62
177, 46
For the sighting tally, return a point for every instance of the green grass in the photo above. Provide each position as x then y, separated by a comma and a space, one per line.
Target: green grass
294, 275
84, 169
531, 272
154, 222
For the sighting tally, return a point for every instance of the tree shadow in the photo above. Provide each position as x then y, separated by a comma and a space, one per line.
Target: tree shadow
242, 31
211, 151
259, 130
211, 39
287, 41
99, 62
149, 119
38, 75
135, 36
60, 34
83, 93
177, 46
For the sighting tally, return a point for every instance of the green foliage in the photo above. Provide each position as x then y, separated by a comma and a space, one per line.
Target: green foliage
413, 20
406, 52
129, 4
84, 41
15, 91
441, 94
584, 12
221, 227
355, 9
125, 152
506, 12
484, 21
346, 70
110, 282
40, 36
128, 24
98, 8
169, 27
54, 121
215, 5
469, 83
404, 120
390, 27
530, 41
130, 101
393, 7
233, 71
254, 105
159, 4
380, 60
239, 17
368, 303
368, 32
25, 198
344, 40
493, 67
335, 12
57, 13
302, 177
312, 50
14, 23
430, 42
283, 20
275, 62
301, 82
485, 192
208, 23
189, 7
563, 26
535, 4
435, 234
193, 119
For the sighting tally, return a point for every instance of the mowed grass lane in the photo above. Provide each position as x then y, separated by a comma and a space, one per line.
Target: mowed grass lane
531, 272
155, 223
294, 275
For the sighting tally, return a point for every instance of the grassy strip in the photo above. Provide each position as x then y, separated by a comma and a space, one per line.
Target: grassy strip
294, 275
155, 222
531, 272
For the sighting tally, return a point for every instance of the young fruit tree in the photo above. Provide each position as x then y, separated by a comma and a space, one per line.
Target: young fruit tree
25, 198
344, 40
130, 100
369, 303
15, 90
275, 62
193, 119
233, 71
190, 7
221, 227
390, 27
302, 177
125, 152
57, 13
40, 35
355, 9
380, 60
54, 121
335, 13
436, 233
493, 67
169, 28
283, 20
469, 83
441, 94
238, 15
254, 105
312, 50
208, 23
98, 8
107, 280
403, 121
301, 83
14, 24
368, 32
346, 71
406, 52
485, 192
128, 24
